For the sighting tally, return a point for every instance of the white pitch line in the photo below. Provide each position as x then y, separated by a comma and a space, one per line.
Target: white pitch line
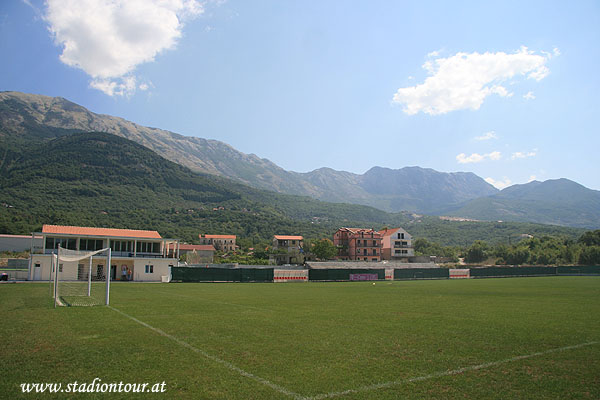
227, 364
444, 373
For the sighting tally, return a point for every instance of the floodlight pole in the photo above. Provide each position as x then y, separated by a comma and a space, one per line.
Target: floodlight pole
108, 271
90, 278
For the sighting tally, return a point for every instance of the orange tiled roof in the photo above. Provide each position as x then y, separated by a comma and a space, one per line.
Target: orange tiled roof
389, 232
284, 237
85, 231
218, 236
197, 247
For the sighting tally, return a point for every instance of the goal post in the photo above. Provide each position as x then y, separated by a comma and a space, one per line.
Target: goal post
81, 278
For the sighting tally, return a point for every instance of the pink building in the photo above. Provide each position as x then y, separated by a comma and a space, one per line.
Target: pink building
358, 244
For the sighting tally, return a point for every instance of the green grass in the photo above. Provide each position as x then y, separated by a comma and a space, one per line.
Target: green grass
313, 338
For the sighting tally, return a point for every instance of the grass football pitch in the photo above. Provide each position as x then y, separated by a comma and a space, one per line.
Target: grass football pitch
479, 338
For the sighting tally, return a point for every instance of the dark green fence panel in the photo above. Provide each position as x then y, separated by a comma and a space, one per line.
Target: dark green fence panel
421, 273
201, 274
511, 271
256, 274
579, 270
342, 274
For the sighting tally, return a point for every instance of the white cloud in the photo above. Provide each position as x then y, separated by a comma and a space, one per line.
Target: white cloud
499, 184
487, 136
532, 178
462, 158
520, 154
529, 96
108, 39
464, 80
124, 87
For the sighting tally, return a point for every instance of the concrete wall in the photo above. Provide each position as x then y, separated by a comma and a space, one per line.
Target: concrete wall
18, 243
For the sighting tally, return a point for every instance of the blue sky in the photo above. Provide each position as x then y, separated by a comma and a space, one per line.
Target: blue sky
507, 90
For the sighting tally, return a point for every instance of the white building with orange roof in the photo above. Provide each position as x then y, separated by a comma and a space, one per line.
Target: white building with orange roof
137, 255
220, 242
287, 249
396, 244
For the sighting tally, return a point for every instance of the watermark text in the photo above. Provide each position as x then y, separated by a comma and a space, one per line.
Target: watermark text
96, 386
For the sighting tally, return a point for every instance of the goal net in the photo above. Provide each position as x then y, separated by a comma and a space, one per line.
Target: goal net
81, 278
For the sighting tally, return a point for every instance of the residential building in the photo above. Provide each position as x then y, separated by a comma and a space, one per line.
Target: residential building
197, 253
287, 250
223, 243
137, 255
358, 244
396, 244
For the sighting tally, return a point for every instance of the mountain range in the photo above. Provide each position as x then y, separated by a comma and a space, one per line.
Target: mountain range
99, 179
414, 189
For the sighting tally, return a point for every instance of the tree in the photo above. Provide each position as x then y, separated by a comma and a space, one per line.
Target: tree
518, 256
590, 238
590, 255
324, 249
477, 252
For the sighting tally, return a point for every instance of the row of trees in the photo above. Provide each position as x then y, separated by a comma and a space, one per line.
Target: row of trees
323, 249
544, 250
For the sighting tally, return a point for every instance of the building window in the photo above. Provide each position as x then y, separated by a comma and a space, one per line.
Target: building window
90, 244
120, 245
374, 243
149, 269
65, 243
374, 252
148, 247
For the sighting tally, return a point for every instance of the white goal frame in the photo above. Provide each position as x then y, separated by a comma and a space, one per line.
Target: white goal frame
71, 256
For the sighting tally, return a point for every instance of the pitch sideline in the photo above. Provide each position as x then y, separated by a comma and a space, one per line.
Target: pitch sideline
445, 373
227, 364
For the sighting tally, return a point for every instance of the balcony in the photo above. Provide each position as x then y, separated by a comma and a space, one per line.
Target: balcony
114, 254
